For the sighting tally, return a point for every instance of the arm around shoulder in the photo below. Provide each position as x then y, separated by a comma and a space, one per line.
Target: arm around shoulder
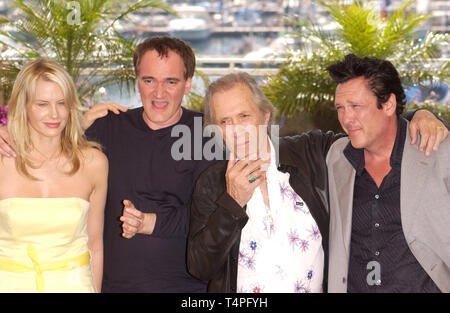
314, 142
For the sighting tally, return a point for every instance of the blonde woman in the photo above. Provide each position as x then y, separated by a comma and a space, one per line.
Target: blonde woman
52, 195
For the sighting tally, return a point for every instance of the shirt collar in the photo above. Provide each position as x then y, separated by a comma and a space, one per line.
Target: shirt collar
185, 119
273, 166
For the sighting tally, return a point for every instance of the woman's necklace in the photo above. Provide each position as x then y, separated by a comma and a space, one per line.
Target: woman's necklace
48, 158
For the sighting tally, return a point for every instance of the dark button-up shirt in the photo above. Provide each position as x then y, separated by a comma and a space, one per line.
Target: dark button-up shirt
377, 233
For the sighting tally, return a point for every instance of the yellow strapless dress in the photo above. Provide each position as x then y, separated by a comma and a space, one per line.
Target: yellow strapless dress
44, 245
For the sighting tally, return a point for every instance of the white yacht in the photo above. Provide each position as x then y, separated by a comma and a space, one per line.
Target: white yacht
193, 23
276, 48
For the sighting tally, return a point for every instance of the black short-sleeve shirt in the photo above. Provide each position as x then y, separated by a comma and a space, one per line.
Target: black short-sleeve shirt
142, 170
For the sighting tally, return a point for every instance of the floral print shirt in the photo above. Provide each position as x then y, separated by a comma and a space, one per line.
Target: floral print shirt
281, 245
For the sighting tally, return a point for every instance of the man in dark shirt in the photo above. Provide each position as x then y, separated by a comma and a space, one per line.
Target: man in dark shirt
149, 191
376, 228
381, 240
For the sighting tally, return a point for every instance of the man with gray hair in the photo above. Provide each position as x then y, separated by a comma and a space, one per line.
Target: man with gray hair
149, 192
145, 248
259, 224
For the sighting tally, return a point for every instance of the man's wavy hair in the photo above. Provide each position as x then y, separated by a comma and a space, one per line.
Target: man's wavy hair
164, 44
381, 75
23, 95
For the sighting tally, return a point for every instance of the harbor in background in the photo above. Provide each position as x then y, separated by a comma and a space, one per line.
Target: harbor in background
238, 34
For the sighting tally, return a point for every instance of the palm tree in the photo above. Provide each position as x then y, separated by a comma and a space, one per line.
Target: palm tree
81, 35
303, 85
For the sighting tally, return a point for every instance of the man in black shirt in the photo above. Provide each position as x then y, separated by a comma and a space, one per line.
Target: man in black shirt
144, 174
389, 204
149, 192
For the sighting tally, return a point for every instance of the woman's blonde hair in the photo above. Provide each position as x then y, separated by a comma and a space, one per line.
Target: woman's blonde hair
23, 95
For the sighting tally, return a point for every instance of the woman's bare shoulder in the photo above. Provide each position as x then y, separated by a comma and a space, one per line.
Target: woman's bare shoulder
8, 173
94, 159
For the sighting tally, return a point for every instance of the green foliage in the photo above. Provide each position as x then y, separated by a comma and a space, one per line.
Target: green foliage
85, 47
195, 97
432, 104
303, 84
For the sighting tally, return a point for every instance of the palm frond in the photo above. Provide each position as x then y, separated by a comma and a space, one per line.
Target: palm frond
84, 48
303, 85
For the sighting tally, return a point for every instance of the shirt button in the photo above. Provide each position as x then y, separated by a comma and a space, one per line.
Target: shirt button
377, 197
378, 282
377, 253
377, 225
